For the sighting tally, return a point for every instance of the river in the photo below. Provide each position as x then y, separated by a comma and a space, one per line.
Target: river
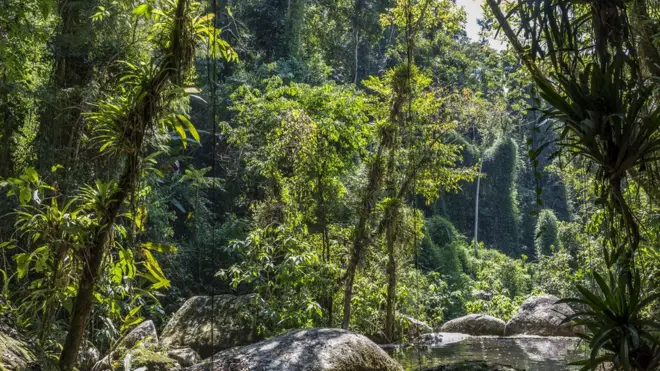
530, 353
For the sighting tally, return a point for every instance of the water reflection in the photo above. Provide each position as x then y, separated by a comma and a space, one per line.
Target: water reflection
524, 352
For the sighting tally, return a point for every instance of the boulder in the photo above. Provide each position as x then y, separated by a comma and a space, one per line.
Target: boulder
144, 334
151, 361
305, 350
475, 324
472, 366
405, 327
429, 339
185, 356
15, 354
88, 356
232, 323
539, 315
411, 327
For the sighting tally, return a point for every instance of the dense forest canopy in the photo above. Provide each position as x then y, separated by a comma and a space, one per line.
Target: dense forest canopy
361, 164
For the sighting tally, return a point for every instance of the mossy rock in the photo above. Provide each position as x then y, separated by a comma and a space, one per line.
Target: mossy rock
15, 355
153, 361
232, 322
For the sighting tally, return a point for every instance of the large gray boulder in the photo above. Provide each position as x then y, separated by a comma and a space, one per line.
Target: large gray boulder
539, 315
475, 324
231, 322
305, 350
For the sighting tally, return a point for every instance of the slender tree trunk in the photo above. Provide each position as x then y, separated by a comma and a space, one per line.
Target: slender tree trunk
138, 121
644, 28
361, 234
476, 208
390, 310
357, 30
6, 160
93, 260
7, 126
60, 123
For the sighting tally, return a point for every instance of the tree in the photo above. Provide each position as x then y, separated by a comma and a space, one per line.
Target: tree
602, 99
416, 159
499, 205
298, 143
547, 233
23, 30
124, 123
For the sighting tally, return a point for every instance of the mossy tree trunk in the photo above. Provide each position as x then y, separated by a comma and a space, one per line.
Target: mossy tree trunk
138, 121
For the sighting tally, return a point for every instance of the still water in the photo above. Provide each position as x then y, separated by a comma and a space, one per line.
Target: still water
524, 352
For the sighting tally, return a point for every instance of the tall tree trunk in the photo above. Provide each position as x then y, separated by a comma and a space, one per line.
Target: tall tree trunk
6, 160
390, 310
357, 31
476, 208
92, 266
646, 31
361, 235
8, 126
138, 121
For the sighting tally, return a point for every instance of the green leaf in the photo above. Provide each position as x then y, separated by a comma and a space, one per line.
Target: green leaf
141, 9
7, 245
32, 175
159, 247
24, 195
22, 264
189, 125
179, 129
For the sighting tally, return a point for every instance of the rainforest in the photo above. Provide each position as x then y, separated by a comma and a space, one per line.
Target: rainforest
332, 185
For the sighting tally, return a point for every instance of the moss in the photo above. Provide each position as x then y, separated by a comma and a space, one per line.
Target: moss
151, 360
14, 354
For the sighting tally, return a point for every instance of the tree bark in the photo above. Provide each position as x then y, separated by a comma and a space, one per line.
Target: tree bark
92, 265
390, 310
476, 208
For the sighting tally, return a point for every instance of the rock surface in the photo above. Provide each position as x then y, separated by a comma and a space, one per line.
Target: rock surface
232, 324
152, 361
475, 324
305, 350
185, 356
15, 354
472, 366
412, 327
144, 334
87, 357
539, 315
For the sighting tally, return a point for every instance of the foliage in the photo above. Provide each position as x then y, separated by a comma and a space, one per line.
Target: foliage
498, 202
286, 270
332, 167
56, 234
547, 233
614, 316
